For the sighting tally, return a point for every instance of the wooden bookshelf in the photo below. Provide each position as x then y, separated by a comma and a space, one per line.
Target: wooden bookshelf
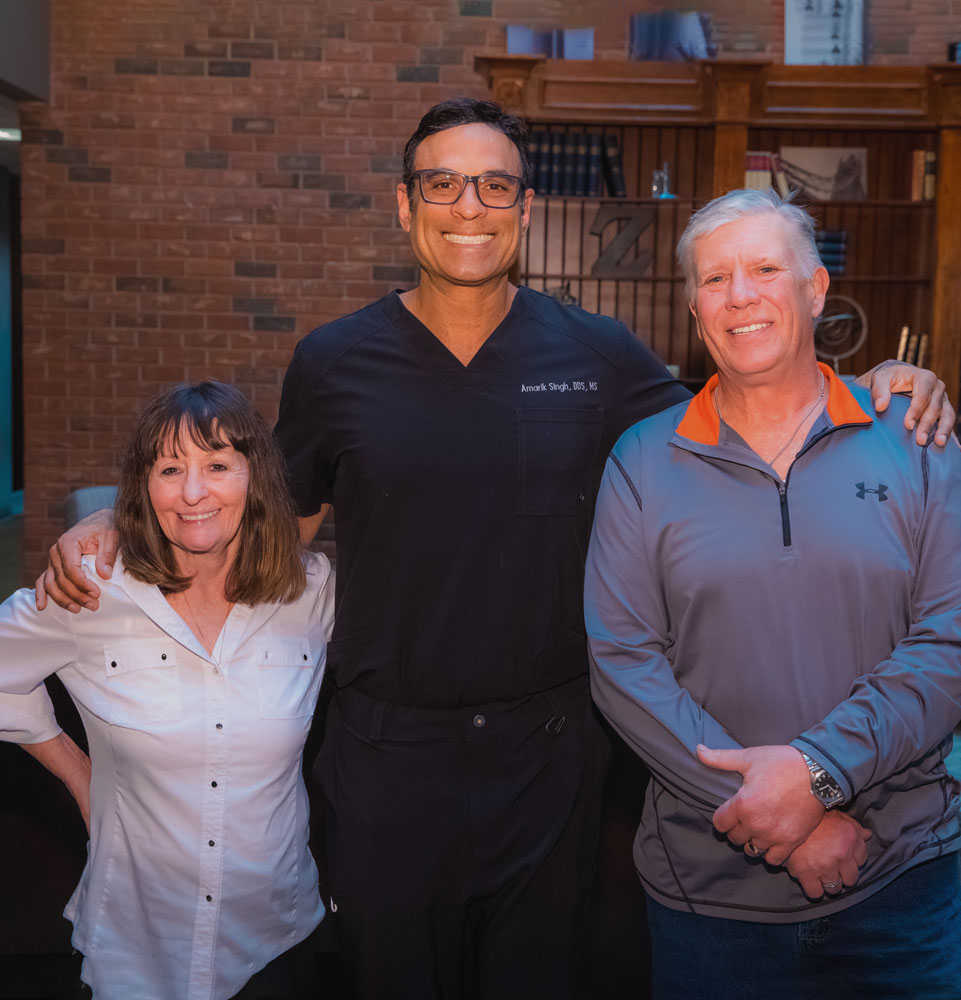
904, 261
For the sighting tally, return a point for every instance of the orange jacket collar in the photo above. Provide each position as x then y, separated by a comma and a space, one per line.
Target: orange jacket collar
702, 424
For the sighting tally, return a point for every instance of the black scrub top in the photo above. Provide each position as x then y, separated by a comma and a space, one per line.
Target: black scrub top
463, 494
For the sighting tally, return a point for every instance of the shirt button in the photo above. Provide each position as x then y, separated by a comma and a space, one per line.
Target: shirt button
479, 721
213, 784
210, 899
210, 843
305, 656
220, 725
163, 656
113, 663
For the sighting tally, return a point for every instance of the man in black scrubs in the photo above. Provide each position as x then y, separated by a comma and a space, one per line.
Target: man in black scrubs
460, 430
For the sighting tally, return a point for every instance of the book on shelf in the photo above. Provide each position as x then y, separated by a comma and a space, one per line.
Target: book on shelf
911, 353
917, 175
534, 156
930, 175
554, 43
757, 170
924, 174
576, 43
613, 166
671, 36
580, 163
595, 179
569, 163
556, 183
903, 343
912, 347
832, 247
542, 172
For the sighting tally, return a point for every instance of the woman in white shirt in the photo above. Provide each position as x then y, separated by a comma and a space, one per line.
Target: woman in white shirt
196, 682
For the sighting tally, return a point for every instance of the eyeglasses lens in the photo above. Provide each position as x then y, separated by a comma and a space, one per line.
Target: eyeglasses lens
444, 187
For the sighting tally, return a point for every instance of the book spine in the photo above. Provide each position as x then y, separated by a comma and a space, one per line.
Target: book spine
917, 175
911, 354
757, 170
594, 175
614, 167
557, 164
930, 174
569, 163
580, 165
903, 343
534, 156
542, 179
922, 350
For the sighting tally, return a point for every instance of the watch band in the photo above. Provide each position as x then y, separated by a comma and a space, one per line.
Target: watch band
823, 787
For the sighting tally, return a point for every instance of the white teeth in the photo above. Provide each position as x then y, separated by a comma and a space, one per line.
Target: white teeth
750, 329
470, 240
198, 517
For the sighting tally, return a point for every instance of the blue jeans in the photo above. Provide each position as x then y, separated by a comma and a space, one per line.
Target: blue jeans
902, 943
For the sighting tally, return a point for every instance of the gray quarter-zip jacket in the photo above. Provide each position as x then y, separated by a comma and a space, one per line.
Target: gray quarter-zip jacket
728, 608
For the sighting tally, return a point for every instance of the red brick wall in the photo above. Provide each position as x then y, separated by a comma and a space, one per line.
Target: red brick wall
211, 180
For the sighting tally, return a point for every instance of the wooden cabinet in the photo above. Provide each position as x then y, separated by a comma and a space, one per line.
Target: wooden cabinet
904, 257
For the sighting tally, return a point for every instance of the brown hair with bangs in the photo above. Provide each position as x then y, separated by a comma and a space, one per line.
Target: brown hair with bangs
269, 566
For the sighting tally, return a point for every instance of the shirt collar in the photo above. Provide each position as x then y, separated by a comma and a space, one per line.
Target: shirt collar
701, 423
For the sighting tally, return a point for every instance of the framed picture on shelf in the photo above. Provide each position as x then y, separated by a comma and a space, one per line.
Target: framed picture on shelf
826, 173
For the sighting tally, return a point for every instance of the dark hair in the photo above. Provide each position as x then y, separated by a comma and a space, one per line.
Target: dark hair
468, 111
269, 565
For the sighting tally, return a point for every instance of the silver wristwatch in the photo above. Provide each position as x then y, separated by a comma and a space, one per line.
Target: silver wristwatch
823, 787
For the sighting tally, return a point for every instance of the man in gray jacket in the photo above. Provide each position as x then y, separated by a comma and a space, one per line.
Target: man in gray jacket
773, 574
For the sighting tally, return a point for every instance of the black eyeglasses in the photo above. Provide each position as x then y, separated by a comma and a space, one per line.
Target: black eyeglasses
444, 187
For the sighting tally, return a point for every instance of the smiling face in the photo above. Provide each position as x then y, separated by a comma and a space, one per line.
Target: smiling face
465, 243
754, 308
198, 496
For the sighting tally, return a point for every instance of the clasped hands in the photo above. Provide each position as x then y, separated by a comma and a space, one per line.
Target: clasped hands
774, 814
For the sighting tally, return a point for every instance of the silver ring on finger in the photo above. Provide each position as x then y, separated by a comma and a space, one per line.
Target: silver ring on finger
753, 849
830, 886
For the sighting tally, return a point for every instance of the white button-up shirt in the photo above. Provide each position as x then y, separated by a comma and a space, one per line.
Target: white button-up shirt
199, 872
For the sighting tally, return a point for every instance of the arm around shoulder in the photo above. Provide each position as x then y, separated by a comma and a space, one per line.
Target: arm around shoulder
64, 580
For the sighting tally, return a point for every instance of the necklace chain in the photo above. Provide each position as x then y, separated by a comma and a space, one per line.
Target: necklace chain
717, 406
201, 635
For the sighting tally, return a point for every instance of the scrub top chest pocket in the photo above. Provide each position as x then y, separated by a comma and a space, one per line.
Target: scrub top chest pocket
286, 675
557, 451
141, 683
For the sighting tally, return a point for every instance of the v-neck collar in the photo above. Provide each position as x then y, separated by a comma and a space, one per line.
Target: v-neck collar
155, 606
489, 357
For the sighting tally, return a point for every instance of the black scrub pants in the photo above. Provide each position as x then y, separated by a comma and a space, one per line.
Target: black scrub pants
461, 843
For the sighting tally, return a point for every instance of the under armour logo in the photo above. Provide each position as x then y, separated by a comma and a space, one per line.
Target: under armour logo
881, 491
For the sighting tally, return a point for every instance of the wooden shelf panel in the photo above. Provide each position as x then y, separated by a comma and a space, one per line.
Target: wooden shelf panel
904, 256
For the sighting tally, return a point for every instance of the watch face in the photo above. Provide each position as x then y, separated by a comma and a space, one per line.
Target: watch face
827, 789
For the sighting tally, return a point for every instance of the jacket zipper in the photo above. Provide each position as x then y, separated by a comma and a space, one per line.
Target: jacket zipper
785, 515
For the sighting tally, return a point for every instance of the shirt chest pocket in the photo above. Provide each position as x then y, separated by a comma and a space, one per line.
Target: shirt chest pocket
141, 683
287, 679
557, 451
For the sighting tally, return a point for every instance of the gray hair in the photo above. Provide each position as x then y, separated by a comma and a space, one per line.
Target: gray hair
740, 204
